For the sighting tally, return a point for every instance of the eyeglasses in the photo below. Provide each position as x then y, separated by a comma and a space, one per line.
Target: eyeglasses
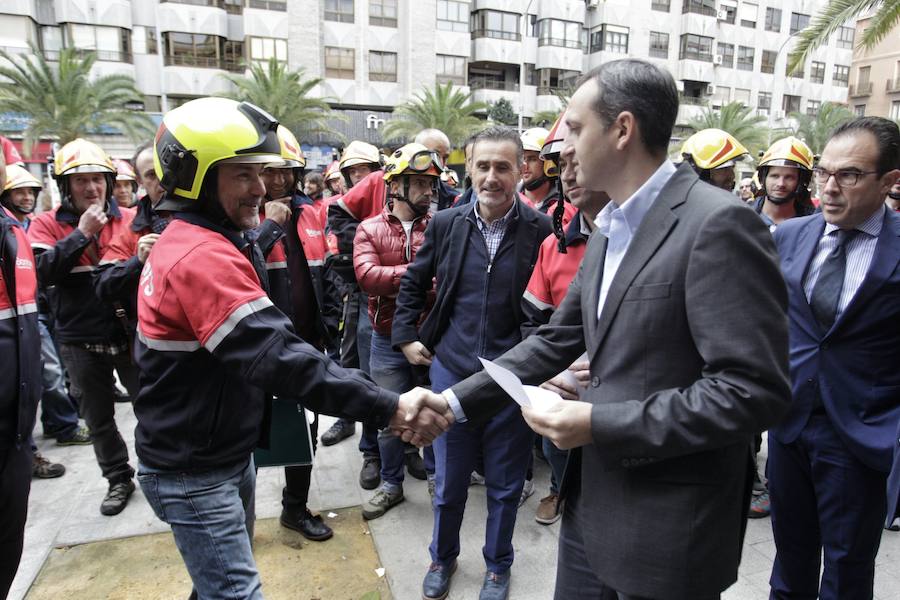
843, 178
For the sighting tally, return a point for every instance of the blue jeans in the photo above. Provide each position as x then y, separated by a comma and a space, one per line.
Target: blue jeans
59, 417
506, 442
557, 459
211, 514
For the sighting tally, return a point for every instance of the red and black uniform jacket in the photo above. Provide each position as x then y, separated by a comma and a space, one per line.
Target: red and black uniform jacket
20, 340
66, 263
548, 205
381, 253
212, 348
552, 274
116, 279
300, 283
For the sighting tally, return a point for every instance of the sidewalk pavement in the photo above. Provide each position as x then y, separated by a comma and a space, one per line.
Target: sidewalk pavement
65, 511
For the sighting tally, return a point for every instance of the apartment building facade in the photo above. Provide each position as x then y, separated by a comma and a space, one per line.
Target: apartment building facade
373, 55
875, 76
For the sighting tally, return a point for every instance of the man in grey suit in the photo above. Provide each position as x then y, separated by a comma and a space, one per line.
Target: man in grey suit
680, 305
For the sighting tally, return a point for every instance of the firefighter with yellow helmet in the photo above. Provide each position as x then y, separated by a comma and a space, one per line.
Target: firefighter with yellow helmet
20, 192
784, 174
539, 177
358, 160
713, 154
126, 186
68, 243
203, 309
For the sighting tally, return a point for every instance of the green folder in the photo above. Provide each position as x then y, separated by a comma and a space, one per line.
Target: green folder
289, 440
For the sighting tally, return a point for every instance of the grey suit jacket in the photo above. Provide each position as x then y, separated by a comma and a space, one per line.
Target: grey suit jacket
689, 360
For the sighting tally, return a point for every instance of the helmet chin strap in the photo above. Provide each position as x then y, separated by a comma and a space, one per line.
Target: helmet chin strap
535, 183
418, 211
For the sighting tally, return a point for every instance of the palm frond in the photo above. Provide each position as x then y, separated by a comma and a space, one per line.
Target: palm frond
823, 25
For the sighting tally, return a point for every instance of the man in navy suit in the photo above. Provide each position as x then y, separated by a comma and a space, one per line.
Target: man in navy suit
830, 457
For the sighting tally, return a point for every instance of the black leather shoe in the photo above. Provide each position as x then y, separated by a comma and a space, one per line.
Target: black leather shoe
309, 525
436, 584
341, 430
370, 474
117, 497
495, 587
415, 466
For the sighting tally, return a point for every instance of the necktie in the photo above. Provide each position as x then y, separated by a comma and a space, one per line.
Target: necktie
827, 291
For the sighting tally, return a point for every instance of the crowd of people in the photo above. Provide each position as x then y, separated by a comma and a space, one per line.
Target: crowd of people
677, 318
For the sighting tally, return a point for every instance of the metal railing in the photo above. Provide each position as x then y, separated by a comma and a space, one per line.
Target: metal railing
104, 55
497, 34
693, 100
861, 89
487, 83
560, 43
279, 5
694, 55
206, 62
893, 85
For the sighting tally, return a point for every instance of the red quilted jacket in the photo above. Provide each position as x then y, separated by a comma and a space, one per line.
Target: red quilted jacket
381, 253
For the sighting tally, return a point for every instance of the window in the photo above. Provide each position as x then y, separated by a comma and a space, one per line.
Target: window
863, 84
496, 24
195, 50
339, 62
895, 110
745, 58
51, 42
697, 47
817, 72
773, 19
790, 104
383, 13
339, 10
812, 107
841, 75
700, 7
768, 61
531, 74
764, 102
565, 34
551, 81
232, 54
109, 43
845, 38
726, 51
382, 66
611, 38
144, 40
233, 7
798, 22
266, 48
749, 14
859, 110
660, 5
729, 8
453, 16
742, 95
451, 69
279, 5
798, 73
721, 96
659, 44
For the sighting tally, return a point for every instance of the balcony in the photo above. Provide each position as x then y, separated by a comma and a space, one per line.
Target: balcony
497, 34
861, 89
279, 5
893, 85
203, 62
102, 55
693, 100
549, 90
487, 83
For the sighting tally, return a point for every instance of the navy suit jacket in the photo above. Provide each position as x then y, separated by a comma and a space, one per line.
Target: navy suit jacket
855, 365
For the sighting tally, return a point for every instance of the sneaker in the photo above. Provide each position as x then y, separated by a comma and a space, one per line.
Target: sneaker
527, 491
380, 503
370, 474
895, 525
436, 584
44, 469
495, 586
548, 510
307, 524
117, 497
476, 478
341, 430
759, 506
415, 466
79, 437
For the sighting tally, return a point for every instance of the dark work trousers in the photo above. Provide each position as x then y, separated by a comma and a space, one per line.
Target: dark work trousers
574, 578
15, 484
92, 373
823, 498
297, 479
355, 350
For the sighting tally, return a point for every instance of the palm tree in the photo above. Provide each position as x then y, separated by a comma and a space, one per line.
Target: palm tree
545, 118
61, 101
286, 95
442, 108
815, 130
838, 12
739, 121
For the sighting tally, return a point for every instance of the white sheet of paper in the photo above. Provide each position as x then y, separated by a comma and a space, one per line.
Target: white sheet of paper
524, 395
568, 376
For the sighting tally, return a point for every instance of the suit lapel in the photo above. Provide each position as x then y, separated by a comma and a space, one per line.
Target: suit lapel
590, 287
526, 229
884, 261
652, 231
795, 270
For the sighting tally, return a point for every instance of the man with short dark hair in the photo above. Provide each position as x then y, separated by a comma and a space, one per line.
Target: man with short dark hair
657, 488
830, 457
481, 255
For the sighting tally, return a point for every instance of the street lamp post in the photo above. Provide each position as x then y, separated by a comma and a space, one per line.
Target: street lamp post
522, 65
